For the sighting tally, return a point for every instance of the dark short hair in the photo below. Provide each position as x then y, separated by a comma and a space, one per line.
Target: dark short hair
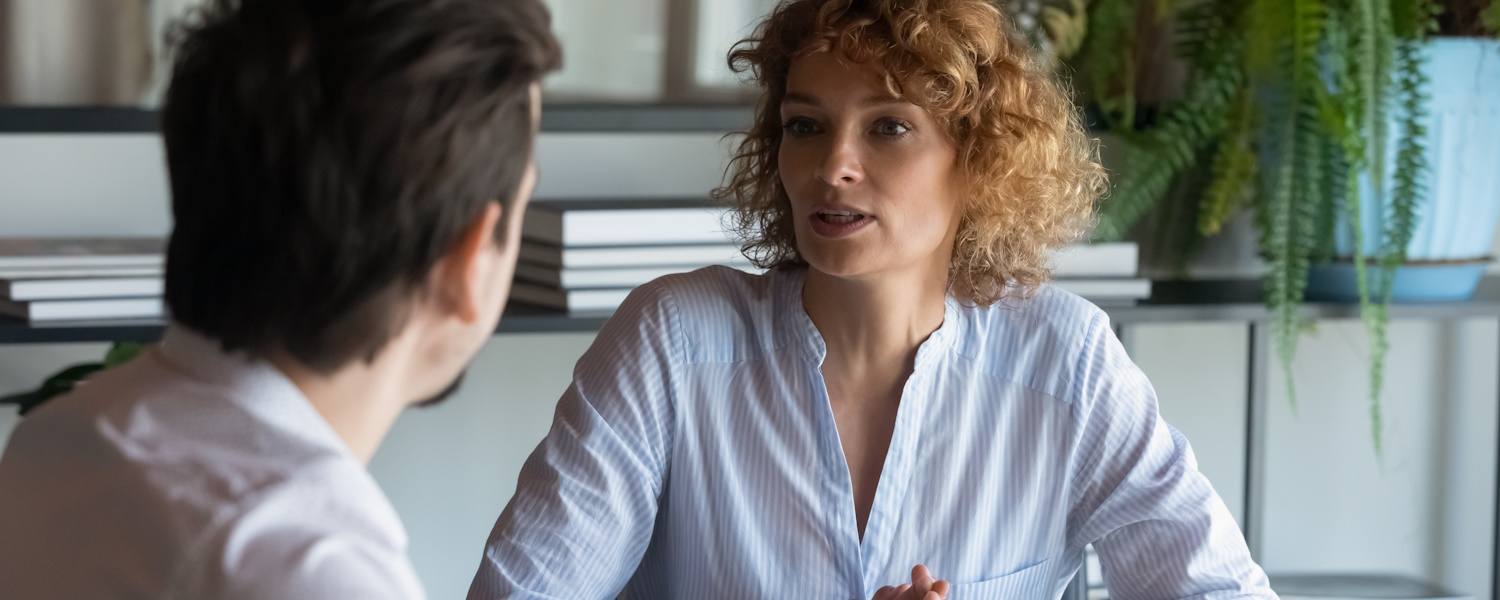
324, 154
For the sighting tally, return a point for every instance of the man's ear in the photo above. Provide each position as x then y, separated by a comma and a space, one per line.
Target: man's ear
460, 277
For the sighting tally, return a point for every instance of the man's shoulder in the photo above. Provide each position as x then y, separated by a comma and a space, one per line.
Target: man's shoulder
145, 463
324, 531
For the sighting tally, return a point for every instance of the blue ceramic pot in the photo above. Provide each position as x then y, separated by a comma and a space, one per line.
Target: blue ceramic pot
1457, 220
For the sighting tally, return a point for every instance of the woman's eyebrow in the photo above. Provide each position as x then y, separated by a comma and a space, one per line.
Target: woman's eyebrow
871, 100
799, 98
880, 100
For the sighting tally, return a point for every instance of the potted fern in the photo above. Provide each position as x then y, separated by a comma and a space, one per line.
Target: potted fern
1316, 115
64, 381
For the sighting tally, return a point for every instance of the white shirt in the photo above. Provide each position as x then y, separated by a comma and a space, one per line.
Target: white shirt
192, 473
696, 456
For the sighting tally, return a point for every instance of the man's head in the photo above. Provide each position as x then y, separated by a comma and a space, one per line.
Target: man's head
344, 171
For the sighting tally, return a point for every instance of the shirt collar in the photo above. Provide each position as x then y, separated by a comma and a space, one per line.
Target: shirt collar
800, 331
253, 384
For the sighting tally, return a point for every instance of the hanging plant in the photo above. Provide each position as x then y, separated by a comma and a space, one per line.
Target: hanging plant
1284, 113
1055, 28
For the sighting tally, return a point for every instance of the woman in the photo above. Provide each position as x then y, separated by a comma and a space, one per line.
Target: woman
901, 388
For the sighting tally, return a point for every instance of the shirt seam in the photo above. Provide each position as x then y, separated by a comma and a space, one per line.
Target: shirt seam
1013, 381
775, 346
1090, 341
675, 325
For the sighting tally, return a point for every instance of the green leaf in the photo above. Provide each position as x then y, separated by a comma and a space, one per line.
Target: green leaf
1406, 194
64, 381
1110, 61
1233, 170
1291, 196
1490, 17
1067, 28
1156, 158
121, 353
57, 384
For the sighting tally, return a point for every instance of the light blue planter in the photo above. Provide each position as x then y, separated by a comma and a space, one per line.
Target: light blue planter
1457, 220
1428, 282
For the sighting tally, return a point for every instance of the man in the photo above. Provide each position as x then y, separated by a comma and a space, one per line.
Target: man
348, 179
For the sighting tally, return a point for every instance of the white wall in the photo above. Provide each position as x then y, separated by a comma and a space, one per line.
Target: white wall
1426, 511
449, 469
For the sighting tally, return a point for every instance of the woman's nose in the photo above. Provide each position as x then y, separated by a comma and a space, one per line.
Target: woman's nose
841, 164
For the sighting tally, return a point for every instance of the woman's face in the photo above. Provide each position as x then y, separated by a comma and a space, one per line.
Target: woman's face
872, 179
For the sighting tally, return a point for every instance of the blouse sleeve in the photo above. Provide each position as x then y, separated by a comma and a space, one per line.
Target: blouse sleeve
1136, 494
586, 500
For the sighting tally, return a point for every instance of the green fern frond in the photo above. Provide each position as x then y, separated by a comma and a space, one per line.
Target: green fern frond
1110, 67
1378, 49
1407, 192
1275, 203
1374, 319
1290, 200
1233, 170
1335, 172
1411, 160
1490, 17
1155, 159
1414, 19
1066, 28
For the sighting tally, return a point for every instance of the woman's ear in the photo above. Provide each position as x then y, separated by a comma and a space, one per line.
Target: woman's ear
461, 279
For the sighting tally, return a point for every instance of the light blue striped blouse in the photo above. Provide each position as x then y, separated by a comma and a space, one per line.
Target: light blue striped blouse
695, 456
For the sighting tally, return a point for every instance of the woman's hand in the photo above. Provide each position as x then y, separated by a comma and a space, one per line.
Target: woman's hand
922, 587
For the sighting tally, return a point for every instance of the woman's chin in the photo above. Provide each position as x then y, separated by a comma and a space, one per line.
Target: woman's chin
844, 265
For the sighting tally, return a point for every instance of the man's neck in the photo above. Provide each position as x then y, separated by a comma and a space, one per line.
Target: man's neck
360, 401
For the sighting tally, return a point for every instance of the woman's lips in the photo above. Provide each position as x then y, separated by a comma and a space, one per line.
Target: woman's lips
838, 224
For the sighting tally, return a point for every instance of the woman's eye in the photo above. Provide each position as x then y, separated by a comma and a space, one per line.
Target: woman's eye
800, 127
892, 128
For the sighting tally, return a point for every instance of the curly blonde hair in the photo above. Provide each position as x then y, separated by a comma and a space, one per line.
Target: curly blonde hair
1032, 174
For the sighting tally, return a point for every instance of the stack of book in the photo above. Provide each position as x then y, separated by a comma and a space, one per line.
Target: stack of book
586, 256
58, 279
579, 257
1106, 274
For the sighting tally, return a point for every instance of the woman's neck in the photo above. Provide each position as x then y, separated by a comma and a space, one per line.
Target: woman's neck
869, 322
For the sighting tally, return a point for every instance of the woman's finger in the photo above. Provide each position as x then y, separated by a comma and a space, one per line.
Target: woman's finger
885, 593
920, 577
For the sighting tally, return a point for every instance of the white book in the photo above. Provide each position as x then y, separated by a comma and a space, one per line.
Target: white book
700, 255
624, 223
1118, 259
17, 274
66, 289
603, 300
546, 276
575, 279
1106, 289
596, 300
600, 300
573, 301
64, 310
81, 252
538, 295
